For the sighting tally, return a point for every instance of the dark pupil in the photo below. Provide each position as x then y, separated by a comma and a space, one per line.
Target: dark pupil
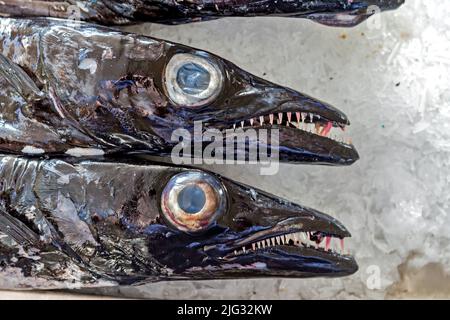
193, 78
191, 199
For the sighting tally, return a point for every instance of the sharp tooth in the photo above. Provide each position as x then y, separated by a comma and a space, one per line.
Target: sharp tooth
282, 239
273, 241
263, 244
268, 242
342, 244
311, 117
253, 246
327, 243
278, 240
243, 249
296, 238
280, 117
259, 244
261, 120
291, 237
286, 239
235, 252
234, 126
271, 118
251, 121
303, 116
297, 115
289, 116
242, 124
326, 130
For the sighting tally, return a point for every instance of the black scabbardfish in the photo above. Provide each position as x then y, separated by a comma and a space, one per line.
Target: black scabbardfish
72, 88
84, 223
109, 12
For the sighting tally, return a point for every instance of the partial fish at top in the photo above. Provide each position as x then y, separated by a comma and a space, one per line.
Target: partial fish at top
344, 13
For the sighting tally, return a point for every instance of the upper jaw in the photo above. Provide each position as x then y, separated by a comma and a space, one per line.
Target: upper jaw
290, 250
310, 131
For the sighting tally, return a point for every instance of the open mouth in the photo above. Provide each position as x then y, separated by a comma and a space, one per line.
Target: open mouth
320, 136
305, 121
314, 240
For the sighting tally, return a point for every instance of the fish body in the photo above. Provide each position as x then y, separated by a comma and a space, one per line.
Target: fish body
74, 88
91, 223
110, 12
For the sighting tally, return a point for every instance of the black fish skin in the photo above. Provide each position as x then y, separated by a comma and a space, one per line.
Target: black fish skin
109, 12
71, 85
89, 223
68, 223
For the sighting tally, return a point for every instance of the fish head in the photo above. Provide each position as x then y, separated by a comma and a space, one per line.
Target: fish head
210, 227
201, 90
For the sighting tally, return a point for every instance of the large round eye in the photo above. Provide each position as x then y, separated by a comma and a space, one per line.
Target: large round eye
192, 201
192, 80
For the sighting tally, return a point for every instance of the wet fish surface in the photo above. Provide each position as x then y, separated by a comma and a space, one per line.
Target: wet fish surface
329, 12
78, 208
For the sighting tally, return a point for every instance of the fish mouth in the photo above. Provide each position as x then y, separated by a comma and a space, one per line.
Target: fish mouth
312, 134
292, 251
278, 238
315, 240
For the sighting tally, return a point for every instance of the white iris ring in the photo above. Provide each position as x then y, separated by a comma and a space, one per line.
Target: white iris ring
214, 206
178, 95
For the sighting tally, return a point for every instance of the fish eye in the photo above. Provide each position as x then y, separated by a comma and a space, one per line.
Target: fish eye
192, 201
192, 80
